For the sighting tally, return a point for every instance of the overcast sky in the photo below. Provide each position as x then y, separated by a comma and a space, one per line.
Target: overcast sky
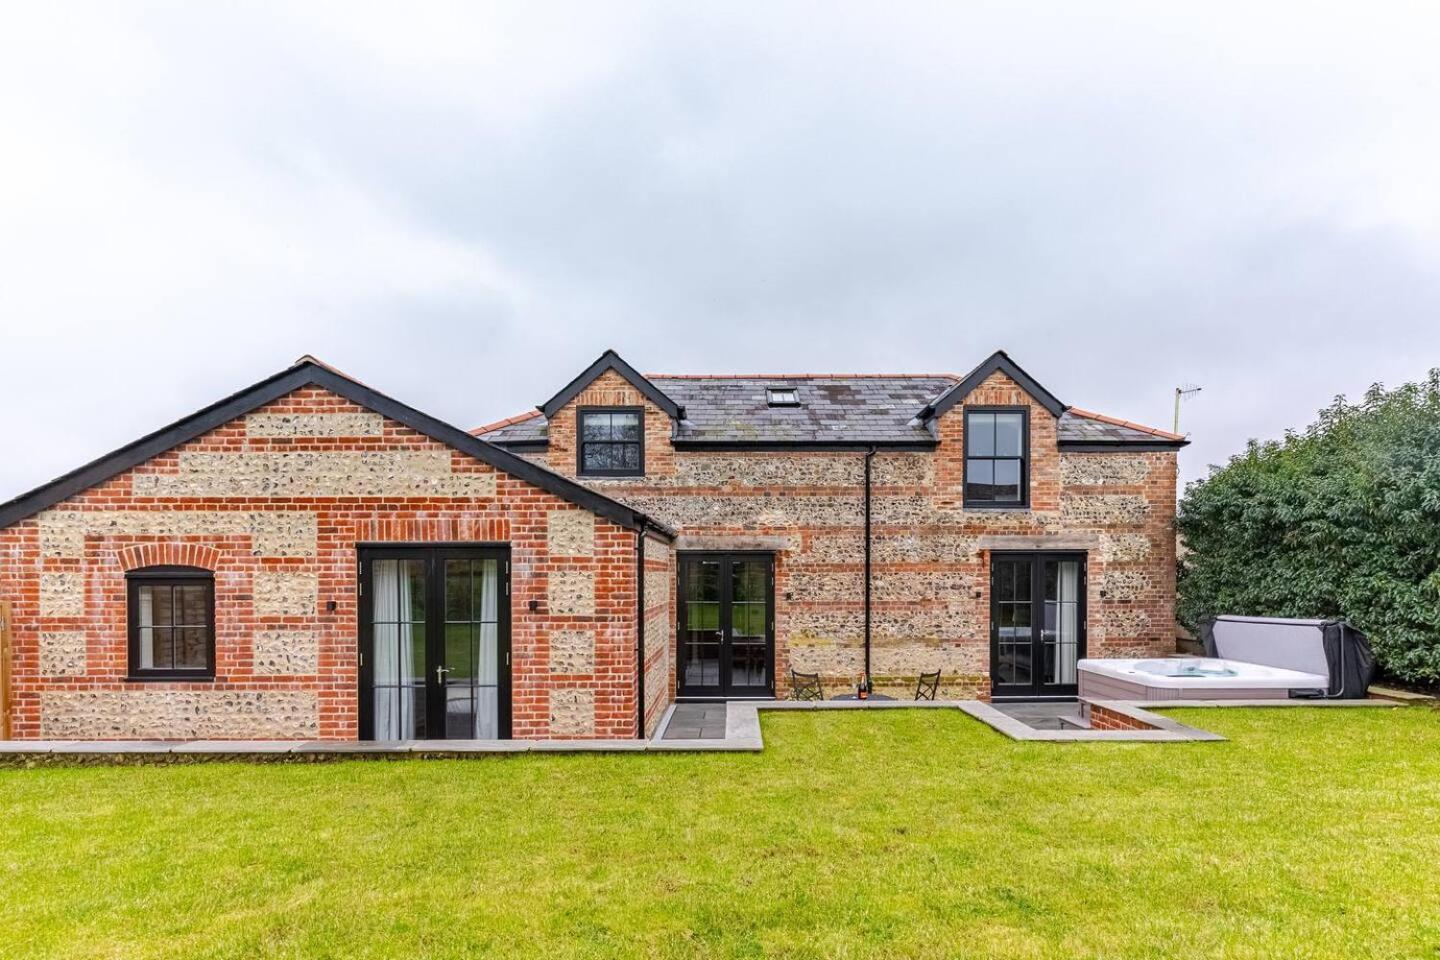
464, 205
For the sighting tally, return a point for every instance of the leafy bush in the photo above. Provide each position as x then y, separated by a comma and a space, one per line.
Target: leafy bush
1340, 520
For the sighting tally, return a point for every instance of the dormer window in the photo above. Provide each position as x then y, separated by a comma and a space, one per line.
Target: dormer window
782, 397
611, 442
997, 451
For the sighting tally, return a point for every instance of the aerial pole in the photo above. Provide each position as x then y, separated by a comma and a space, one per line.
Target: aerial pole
1181, 392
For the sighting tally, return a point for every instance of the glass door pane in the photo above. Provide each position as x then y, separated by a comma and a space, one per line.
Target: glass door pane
1060, 637
701, 629
397, 611
436, 661
470, 669
749, 624
1011, 594
1037, 623
726, 642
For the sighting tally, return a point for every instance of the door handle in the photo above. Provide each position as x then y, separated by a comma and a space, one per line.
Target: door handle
440, 673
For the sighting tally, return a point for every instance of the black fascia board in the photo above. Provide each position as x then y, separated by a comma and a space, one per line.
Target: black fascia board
610, 360
304, 374
536, 446
846, 445
522, 446
1114, 446
1000, 361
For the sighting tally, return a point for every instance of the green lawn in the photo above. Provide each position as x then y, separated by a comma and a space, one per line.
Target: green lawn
1311, 833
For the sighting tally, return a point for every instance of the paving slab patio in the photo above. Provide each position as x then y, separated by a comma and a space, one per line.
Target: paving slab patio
1047, 715
696, 721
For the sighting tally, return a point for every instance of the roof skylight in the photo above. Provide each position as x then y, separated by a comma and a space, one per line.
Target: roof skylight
782, 396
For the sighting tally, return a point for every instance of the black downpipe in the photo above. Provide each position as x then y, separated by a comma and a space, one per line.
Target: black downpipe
869, 455
640, 630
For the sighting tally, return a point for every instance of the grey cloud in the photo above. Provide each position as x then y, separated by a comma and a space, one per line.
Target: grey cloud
465, 207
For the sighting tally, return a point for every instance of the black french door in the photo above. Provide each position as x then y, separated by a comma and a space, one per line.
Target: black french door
434, 643
1037, 623
727, 625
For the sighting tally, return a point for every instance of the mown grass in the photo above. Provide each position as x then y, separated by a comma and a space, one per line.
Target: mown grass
1310, 833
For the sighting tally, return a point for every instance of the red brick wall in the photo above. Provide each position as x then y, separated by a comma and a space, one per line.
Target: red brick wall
280, 510
1103, 718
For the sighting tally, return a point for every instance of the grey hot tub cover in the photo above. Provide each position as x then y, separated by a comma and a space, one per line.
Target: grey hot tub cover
1333, 648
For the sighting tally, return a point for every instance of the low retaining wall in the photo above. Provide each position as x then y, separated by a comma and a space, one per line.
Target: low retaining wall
1105, 718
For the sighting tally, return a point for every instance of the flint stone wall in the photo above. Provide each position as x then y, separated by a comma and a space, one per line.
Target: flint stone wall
316, 474
572, 651
186, 715
286, 653
572, 713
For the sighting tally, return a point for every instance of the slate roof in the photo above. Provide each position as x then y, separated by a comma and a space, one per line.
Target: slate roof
834, 409
1086, 426
529, 427
831, 410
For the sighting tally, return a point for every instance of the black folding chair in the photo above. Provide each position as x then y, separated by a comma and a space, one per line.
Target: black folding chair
806, 686
929, 683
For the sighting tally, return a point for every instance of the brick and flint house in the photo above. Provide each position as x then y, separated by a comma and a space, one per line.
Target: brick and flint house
309, 558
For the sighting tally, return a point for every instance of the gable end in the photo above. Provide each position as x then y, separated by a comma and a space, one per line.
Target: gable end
610, 360
311, 373
997, 361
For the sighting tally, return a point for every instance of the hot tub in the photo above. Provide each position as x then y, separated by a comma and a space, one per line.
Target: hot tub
1191, 678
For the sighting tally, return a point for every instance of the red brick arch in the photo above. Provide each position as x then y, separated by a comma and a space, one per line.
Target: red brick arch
140, 555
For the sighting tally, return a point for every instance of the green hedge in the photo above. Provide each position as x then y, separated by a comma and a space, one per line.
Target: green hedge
1340, 520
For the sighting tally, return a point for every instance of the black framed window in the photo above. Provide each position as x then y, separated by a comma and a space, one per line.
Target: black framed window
997, 454
611, 442
171, 614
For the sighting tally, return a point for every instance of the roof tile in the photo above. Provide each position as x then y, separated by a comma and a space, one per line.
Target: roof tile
850, 408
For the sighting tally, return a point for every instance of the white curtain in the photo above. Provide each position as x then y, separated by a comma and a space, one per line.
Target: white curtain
147, 631
1068, 638
487, 660
399, 681
395, 704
